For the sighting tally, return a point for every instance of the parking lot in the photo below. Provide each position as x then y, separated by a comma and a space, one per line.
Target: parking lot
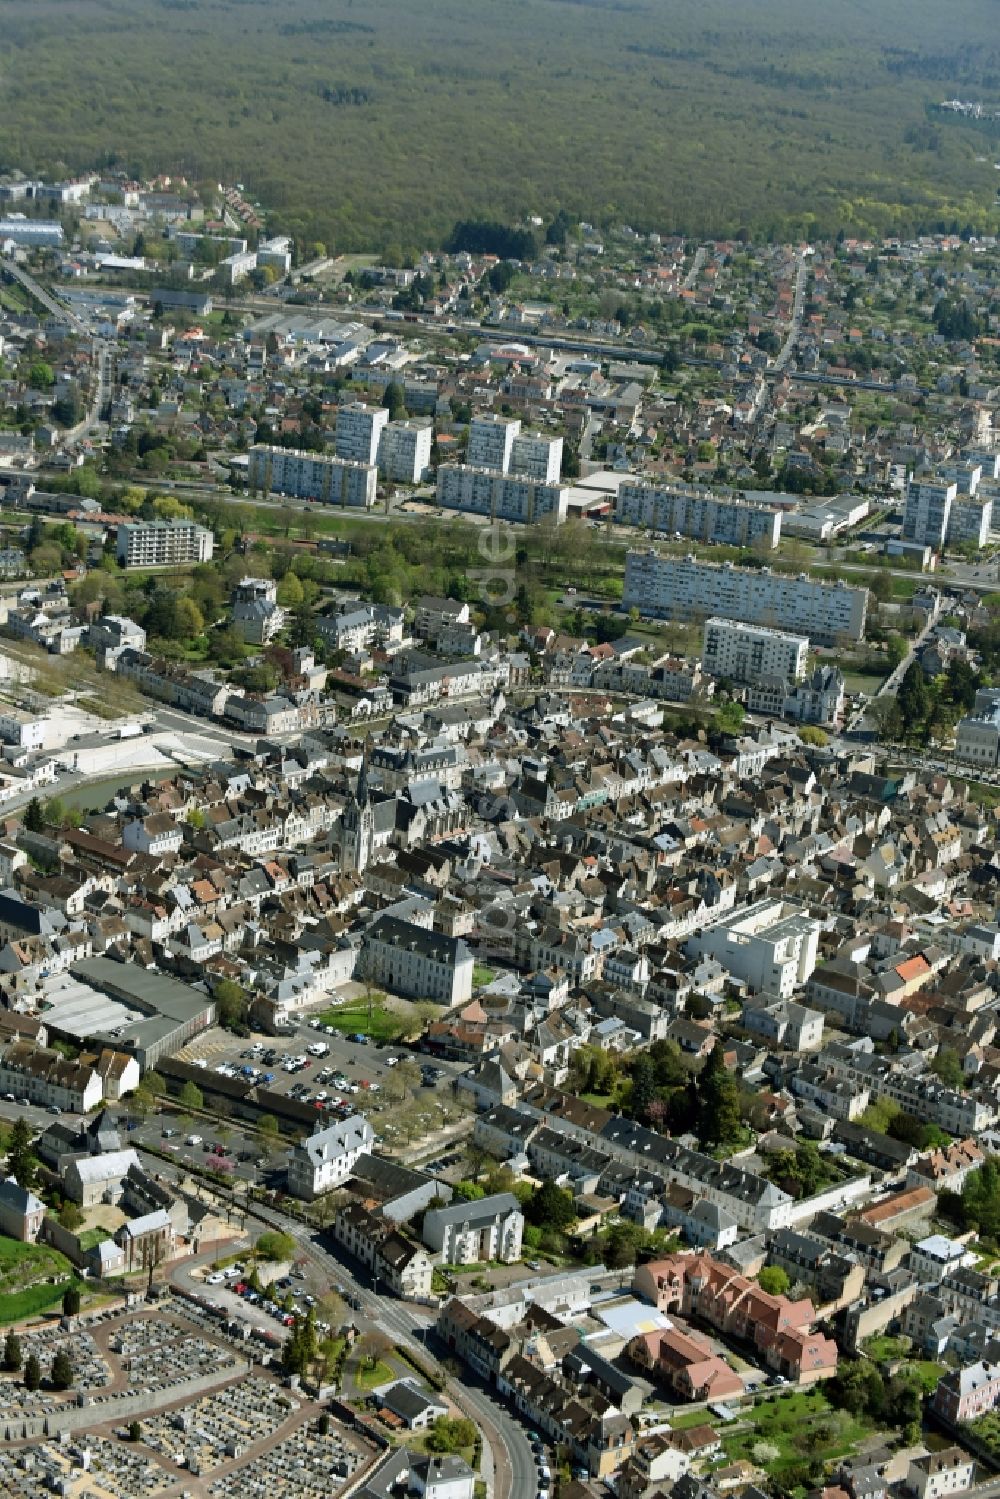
407, 1095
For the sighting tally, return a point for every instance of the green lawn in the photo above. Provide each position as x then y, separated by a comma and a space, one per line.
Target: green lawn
482, 975
28, 1303
370, 1379
884, 1349
384, 1025
21, 1265
800, 1425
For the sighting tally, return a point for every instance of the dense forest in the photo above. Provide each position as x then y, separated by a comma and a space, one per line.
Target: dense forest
381, 124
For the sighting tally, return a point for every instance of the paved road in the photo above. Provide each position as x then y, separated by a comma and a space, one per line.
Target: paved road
795, 323
45, 298
695, 269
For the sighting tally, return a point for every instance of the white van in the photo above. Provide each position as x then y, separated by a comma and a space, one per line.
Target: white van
193, 1140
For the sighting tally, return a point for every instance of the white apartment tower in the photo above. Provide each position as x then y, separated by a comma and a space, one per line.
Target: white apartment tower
491, 442
748, 653
163, 543
536, 456
684, 588
359, 431
312, 476
404, 453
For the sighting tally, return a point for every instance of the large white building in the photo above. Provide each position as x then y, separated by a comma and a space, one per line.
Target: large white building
746, 653
404, 453
684, 588
31, 233
359, 430
977, 738
535, 455
951, 507
928, 511
408, 959
163, 543
471, 1233
697, 515
312, 476
322, 1161
500, 496
770, 946
491, 441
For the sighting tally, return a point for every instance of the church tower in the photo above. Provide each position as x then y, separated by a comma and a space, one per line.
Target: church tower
358, 824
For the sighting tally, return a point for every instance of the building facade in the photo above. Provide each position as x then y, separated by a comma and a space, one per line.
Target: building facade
697, 515
312, 476
746, 653
163, 543
684, 588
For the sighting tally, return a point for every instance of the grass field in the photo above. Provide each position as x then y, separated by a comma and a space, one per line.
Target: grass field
799, 1425
697, 119
370, 1379
25, 1278
384, 1025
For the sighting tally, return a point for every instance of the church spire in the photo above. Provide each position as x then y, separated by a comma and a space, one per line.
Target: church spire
363, 795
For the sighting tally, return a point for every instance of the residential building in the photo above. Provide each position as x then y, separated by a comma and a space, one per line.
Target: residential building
359, 432
256, 612
491, 442
745, 653
697, 515
684, 588
965, 1394
111, 634
937, 1474
408, 959
33, 234
21, 1212
770, 946
404, 453
469, 1233
928, 512
977, 737
326, 1159
46, 1077
536, 456
501, 496
312, 476
163, 543
398, 1265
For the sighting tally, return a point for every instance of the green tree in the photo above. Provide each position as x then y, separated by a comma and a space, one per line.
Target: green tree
729, 718
71, 1301
947, 1066
12, 1356
291, 594
61, 1374
231, 1004
188, 618
191, 1096
267, 1128
34, 820
70, 1216
551, 1207
134, 1431
41, 376
773, 1280
274, 1245
32, 1372
718, 1101
450, 1434
21, 1162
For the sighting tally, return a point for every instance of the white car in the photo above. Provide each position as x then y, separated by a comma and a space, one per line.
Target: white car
193, 1140
215, 1279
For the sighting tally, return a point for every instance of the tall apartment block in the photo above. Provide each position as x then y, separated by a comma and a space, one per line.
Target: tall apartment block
684, 588
537, 456
500, 496
163, 543
747, 653
491, 442
359, 430
697, 515
312, 476
404, 452
955, 506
